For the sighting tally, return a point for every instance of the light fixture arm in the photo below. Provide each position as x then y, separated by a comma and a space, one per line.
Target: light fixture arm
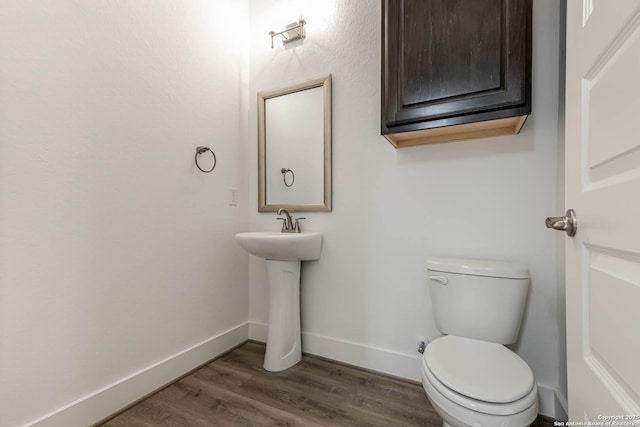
291, 32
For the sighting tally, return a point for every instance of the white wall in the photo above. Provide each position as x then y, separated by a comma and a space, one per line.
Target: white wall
117, 264
118, 270
366, 301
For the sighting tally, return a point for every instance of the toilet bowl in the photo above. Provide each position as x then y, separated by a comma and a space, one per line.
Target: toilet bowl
469, 376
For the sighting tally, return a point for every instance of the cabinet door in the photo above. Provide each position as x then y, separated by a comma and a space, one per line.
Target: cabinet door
454, 61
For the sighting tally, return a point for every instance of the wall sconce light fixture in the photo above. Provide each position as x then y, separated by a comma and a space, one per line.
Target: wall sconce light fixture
291, 32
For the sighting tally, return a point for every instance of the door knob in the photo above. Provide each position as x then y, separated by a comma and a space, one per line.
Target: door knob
567, 223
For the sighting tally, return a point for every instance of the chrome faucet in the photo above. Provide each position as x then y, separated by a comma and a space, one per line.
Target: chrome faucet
289, 225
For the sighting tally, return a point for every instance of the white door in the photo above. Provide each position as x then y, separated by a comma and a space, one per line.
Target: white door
603, 186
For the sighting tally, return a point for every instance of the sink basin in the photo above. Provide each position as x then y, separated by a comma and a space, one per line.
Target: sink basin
304, 246
284, 253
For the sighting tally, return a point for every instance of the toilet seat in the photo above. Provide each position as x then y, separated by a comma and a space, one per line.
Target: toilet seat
479, 369
481, 376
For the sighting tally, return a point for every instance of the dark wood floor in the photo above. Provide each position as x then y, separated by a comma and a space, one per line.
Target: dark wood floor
235, 390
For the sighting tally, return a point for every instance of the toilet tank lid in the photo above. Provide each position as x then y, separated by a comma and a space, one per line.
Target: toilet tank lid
503, 269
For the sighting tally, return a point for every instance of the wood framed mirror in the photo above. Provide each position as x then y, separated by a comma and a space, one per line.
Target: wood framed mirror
294, 147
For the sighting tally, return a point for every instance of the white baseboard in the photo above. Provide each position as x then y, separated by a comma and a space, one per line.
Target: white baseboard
258, 331
562, 407
365, 356
112, 398
551, 402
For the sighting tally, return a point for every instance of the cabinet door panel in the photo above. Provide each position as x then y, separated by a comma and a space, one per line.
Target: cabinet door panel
447, 58
444, 58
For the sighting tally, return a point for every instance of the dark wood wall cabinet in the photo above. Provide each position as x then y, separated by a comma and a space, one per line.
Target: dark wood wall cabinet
454, 69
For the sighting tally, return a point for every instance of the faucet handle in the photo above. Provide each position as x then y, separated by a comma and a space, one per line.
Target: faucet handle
296, 225
284, 224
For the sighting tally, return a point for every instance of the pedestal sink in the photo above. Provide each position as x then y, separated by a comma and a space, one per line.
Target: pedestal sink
283, 253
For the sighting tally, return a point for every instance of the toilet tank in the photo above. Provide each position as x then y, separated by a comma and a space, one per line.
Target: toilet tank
478, 299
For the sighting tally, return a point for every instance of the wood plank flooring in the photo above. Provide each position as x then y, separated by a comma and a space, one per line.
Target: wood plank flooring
235, 390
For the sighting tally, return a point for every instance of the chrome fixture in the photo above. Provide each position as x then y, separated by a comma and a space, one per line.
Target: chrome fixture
202, 149
289, 225
285, 171
421, 347
567, 223
291, 32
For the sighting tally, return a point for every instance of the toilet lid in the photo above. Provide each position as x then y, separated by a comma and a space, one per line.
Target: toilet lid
478, 369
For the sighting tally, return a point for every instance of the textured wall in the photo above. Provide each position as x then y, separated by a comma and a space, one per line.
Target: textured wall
366, 301
115, 252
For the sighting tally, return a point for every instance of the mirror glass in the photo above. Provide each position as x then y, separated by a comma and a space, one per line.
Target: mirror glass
294, 147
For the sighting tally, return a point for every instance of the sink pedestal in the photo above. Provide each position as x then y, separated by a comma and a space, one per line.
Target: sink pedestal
283, 253
284, 347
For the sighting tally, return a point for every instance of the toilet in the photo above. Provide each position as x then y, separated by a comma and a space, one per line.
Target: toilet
470, 377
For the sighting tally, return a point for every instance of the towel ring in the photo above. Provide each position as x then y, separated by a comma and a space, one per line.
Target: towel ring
284, 176
202, 149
